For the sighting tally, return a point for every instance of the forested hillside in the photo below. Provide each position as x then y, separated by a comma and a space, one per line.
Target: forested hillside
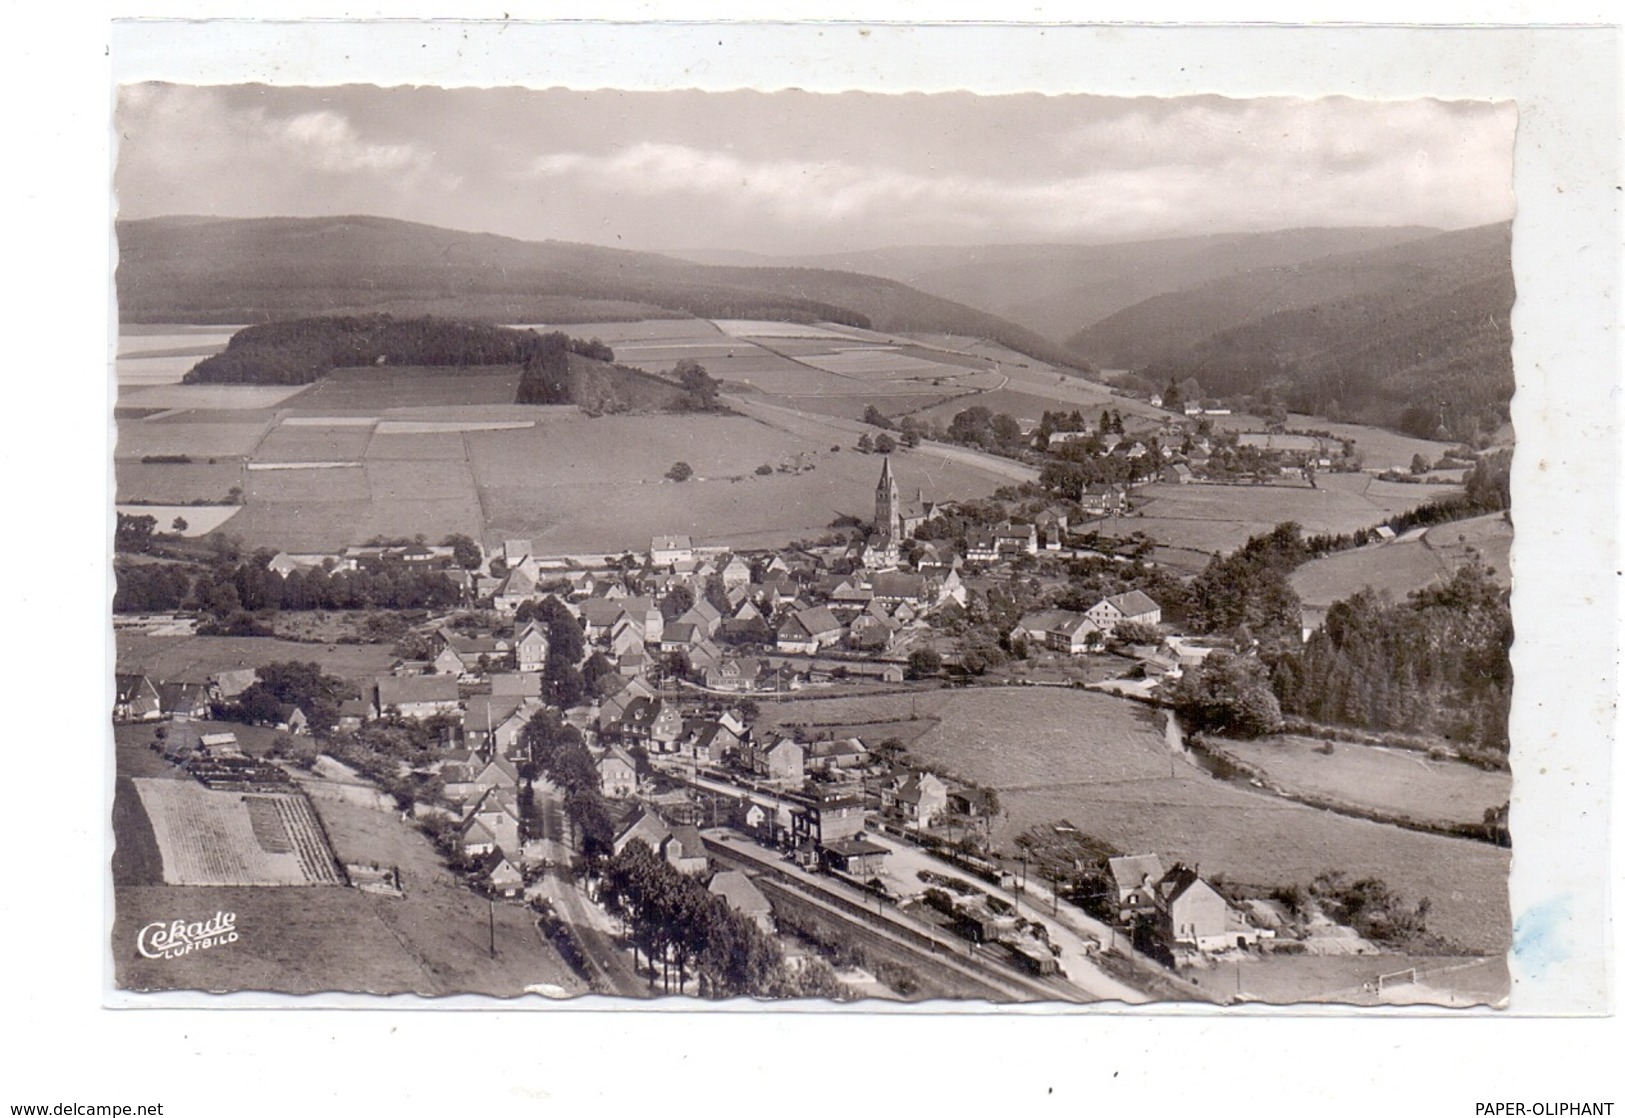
185, 269
1416, 336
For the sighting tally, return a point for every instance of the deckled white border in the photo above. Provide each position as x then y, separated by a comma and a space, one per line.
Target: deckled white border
1566, 256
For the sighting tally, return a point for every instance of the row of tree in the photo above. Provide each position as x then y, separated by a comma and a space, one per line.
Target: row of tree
252, 587
675, 922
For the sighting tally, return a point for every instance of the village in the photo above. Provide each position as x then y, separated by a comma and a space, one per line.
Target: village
657, 669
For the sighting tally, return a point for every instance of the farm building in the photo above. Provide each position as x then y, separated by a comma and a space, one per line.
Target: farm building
416, 696
667, 550
1099, 498
1135, 606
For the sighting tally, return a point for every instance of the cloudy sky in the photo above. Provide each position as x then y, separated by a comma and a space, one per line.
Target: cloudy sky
789, 173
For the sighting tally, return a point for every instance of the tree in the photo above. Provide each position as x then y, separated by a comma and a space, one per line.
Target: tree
678, 601
179, 524
1136, 632
924, 662
865, 443
874, 418
1419, 465
680, 471
464, 551
885, 444
1228, 694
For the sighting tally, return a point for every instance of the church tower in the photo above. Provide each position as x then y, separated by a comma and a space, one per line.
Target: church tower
888, 507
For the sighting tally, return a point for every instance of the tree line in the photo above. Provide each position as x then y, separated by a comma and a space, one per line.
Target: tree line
250, 586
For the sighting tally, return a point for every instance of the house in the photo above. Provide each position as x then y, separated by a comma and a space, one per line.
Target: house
808, 630
734, 675
1035, 628
836, 755
291, 719
184, 700
482, 716
1135, 877
828, 818
869, 633
227, 685
416, 696
517, 587
353, 713
651, 722
1074, 636
679, 636
709, 743
1135, 606
981, 545
782, 760
920, 799
1016, 539
741, 895
524, 685
617, 774
476, 840
503, 878
735, 573
598, 617
895, 586
856, 857
497, 811
666, 550
460, 655
647, 828
704, 616
1190, 912
1177, 474
685, 851
530, 648
1099, 498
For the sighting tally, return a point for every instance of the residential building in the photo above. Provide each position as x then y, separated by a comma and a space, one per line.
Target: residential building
416, 696
742, 895
1135, 606
530, 648
136, 699
617, 774
666, 550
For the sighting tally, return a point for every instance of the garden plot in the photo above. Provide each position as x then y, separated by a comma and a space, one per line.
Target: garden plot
209, 838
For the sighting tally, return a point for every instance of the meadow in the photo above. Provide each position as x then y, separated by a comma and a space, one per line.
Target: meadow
1389, 780
1410, 563
377, 388
200, 519
194, 659
177, 482
1103, 764
1220, 518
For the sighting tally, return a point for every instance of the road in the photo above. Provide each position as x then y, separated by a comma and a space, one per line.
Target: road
609, 964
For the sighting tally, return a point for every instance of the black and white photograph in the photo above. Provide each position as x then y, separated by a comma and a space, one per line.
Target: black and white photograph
863, 547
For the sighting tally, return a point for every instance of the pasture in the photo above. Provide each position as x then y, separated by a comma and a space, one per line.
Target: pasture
1102, 763
195, 659
1410, 563
1220, 518
1389, 780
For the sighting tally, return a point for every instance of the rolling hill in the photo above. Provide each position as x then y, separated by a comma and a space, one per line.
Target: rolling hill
1058, 289
230, 270
1415, 336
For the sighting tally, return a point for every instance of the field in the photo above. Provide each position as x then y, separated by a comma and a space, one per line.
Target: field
377, 388
210, 397
307, 442
435, 941
1415, 561
194, 659
1220, 518
177, 482
1389, 780
200, 519
220, 436
1102, 763
225, 838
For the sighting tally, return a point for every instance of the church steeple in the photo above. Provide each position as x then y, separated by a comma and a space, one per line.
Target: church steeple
888, 505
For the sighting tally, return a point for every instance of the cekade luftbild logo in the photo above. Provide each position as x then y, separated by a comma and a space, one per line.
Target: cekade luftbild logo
159, 940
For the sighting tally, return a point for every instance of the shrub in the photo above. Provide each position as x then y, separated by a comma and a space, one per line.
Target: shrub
680, 471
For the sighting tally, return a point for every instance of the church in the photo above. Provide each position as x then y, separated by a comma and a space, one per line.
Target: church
896, 520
